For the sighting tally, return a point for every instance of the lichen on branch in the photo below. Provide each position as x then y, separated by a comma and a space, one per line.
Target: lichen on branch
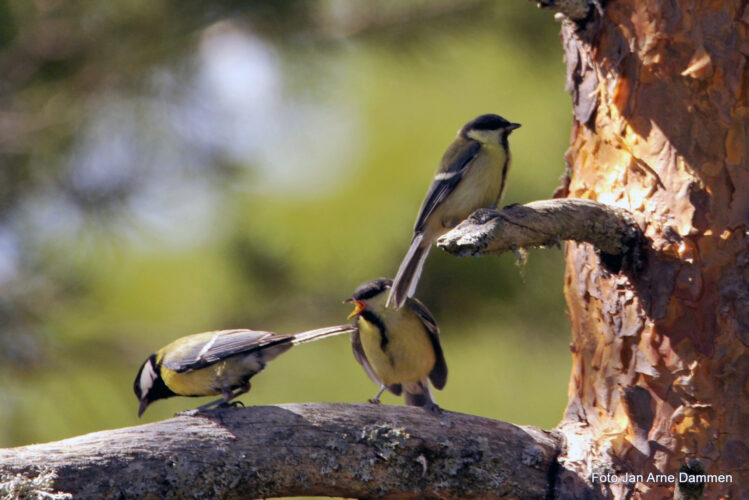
348, 450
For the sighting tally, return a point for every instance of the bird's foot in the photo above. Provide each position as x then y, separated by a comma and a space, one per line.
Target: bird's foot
433, 408
210, 408
374, 401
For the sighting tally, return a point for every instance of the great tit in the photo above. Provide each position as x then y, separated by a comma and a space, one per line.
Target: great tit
399, 348
471, 175
219, 362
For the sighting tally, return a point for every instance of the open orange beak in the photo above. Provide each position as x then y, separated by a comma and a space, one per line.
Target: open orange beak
359, 307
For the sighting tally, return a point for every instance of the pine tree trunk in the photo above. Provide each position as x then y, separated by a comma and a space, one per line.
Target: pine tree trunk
661, 357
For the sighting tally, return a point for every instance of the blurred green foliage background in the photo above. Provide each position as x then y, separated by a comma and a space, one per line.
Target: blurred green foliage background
169, 169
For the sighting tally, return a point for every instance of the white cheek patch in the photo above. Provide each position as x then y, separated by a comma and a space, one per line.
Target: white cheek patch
486, 136
147, 376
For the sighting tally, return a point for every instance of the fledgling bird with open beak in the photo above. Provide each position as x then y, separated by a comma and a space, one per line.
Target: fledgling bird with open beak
399, 348
472, 175
211, 363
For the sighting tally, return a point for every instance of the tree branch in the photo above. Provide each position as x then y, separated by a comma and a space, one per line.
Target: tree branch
611, 229
299, 449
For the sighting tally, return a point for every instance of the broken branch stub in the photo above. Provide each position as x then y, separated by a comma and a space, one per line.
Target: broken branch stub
612, 230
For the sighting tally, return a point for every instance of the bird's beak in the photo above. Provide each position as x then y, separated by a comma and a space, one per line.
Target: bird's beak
357, 309
513, 126
143, 405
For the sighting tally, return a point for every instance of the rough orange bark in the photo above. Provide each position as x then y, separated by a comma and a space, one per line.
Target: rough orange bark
661, 358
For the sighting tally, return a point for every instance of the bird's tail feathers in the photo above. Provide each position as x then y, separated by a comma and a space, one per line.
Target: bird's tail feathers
404, 284
321, 333
418, 394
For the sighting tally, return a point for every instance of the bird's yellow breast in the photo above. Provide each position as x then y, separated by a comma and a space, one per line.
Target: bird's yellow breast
408, 354
210, 380
201, 382
481, 186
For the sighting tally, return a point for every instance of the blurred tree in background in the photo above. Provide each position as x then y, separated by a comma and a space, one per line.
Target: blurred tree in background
170, 170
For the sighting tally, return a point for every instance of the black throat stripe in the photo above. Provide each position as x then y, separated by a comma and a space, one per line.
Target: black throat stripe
506, 165
371, 317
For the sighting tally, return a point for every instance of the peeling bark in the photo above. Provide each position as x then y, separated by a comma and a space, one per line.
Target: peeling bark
361, 451
661, 360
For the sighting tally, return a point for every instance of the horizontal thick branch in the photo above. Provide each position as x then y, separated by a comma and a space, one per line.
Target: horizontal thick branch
360, 450
611, 229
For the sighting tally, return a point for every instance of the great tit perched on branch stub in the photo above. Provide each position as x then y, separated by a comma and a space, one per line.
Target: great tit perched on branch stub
220, 362
472, 175
399, 348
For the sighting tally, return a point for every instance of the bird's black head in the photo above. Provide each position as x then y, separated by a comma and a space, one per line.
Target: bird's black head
371, 289
489, 122
148, 385
367, 291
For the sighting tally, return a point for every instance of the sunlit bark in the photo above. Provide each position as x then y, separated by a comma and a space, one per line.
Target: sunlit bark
661, 360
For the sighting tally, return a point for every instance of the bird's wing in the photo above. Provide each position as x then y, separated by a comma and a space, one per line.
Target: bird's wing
438, 375
457, 158
210, 347
361, 358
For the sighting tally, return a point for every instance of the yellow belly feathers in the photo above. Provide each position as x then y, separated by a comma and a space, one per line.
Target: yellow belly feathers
408, 356
210, 380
